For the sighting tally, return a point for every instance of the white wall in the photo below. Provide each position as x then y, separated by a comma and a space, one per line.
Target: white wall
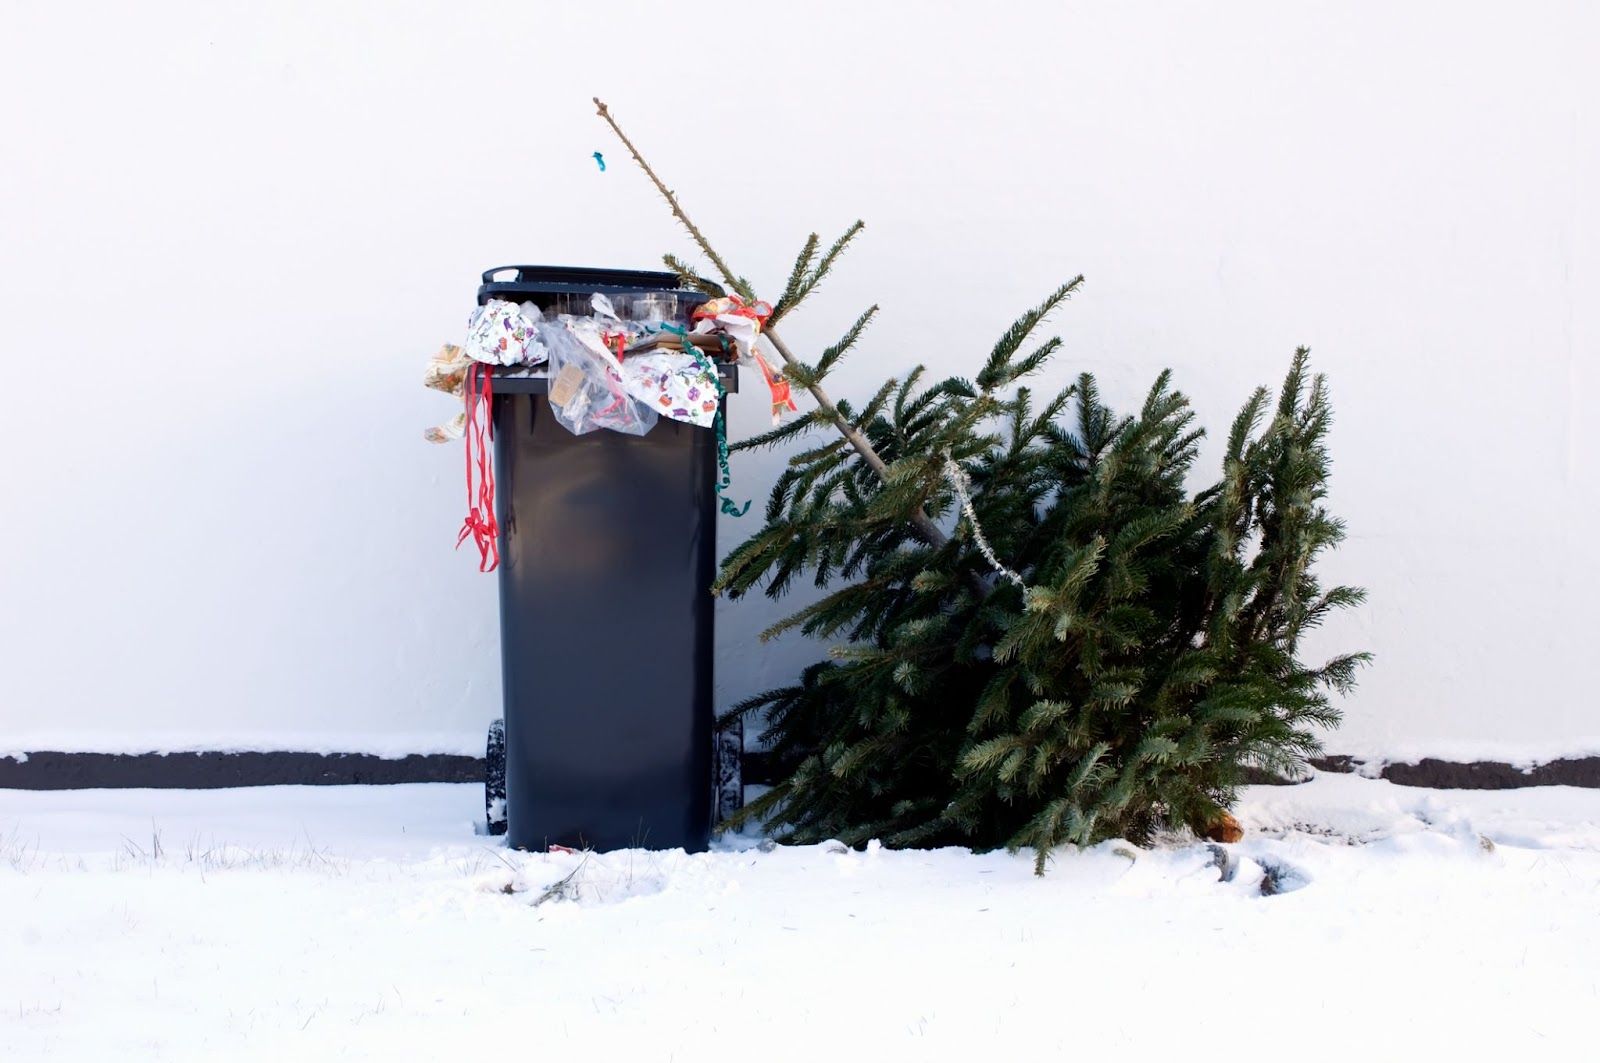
230, 235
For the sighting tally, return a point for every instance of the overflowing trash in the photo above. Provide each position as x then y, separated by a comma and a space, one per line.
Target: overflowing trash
615, 363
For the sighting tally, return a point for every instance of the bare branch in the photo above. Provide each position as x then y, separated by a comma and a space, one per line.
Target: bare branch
925, 528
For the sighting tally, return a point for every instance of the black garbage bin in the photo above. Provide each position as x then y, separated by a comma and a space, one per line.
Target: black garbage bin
608, 551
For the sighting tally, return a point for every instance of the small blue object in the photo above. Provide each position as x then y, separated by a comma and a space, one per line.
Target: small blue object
601, 159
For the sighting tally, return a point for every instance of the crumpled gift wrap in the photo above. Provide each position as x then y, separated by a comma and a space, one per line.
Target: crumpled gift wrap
674, 384
447, 372
501, 333
739, 320
743, 322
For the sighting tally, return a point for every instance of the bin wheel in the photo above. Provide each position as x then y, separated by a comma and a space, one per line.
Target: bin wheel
494, 783
727, 795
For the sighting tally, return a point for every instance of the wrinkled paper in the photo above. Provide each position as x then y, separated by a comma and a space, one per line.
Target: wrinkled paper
502, 333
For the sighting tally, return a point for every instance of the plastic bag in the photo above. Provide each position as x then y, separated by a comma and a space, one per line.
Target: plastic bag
586, 390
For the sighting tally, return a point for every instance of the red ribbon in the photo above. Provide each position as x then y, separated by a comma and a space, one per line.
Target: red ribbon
618, 339
757, 311
480, 522
779, 386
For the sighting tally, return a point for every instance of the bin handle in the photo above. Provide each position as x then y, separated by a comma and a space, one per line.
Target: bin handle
488, 274
580, 278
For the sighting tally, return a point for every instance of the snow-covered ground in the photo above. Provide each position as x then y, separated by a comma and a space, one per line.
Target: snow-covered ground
299, 923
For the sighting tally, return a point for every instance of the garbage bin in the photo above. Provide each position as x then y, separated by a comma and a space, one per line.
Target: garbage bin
608, 551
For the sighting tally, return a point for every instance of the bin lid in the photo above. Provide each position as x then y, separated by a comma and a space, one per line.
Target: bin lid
518, 283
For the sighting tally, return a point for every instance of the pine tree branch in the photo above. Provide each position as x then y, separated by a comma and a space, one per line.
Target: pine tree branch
925, 528
738, 283
831, 355
797, 278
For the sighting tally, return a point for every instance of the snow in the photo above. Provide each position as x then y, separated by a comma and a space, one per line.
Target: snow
373, 922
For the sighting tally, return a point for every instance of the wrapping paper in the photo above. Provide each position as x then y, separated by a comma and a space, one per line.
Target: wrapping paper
447, 372
500, 333
675, 385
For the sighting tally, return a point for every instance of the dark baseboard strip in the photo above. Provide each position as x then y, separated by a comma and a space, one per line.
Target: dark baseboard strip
1494, 775
1456, 775
1436, 774
52, 770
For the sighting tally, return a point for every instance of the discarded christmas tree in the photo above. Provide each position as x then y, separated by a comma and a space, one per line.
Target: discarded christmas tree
1090, 651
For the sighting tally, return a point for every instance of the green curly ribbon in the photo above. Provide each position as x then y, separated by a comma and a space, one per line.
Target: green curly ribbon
724, 477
